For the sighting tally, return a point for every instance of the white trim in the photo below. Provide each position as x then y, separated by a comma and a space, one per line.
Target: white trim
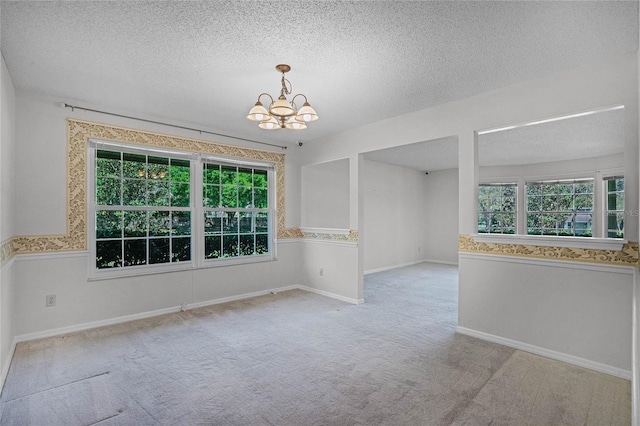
443, 262
239, 297
338, 231
614, 244
549, 119
553, 263
402, 265
329, 242
8, 264
95, 324
7, 363
288, 240
635, 351
570, 359
331, 295
133, 148
173, 309
50, 255
390, 267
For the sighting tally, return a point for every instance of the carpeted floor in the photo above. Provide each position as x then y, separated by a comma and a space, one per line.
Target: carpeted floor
297, 358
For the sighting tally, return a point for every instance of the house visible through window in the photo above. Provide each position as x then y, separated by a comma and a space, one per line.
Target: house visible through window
554, 207
560, 208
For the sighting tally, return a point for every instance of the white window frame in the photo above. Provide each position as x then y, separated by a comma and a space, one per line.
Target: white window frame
516, 209
197, 261
593, 210
605, 203
599, 209
271, 191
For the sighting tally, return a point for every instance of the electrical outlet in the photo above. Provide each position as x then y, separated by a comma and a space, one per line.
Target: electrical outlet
321, 272
50, 300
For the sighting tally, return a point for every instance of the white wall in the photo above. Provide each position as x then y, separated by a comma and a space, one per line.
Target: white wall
441, 216
394, 205
609, 83
572, 309
325, 195
81, 302
7, 202
409, 216
40, 164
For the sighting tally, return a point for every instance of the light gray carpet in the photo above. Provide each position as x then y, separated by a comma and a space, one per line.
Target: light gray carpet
297, 358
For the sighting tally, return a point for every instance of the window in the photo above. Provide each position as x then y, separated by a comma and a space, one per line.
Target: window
563, 208
614, 192
147, 217
142, 209
497, 208
236, 211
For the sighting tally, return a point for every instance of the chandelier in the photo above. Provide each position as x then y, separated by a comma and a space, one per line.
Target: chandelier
281, 113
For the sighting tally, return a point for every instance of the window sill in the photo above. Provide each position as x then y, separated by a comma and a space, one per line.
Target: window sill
131, 272
613, 244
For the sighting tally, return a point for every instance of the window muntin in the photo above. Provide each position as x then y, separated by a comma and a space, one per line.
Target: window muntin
142, 209
151, 218
562, 208
236, 211
497, 208
614, 206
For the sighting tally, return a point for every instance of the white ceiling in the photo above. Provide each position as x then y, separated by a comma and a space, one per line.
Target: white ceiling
204, 63
587, 136
437, 154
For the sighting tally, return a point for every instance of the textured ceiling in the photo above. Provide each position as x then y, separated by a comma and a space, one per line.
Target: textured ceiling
588, 136
204, 63
437, 154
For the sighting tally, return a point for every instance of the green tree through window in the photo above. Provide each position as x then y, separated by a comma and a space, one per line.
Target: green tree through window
497, 208
562, 208
236, 211
142, 209
614, 187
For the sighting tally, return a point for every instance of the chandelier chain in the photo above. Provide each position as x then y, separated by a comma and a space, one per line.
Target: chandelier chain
284, 90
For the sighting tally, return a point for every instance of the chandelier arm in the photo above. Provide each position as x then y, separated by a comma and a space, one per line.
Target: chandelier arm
260, 95
294, 98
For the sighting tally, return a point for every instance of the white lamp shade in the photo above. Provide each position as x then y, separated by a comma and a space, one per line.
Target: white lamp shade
258, 113
281, 108
294, 124
306, 113
270, 124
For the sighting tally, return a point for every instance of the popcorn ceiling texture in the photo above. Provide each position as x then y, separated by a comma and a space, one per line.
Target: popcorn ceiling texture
358, 62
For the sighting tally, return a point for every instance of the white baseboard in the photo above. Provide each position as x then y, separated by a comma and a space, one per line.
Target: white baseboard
239, 297
7, 364
443, 262
157, 312
95, 324
332, 295
548, 353
169, 310
402, 265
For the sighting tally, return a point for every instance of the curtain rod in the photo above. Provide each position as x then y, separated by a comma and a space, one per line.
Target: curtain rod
74, 107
